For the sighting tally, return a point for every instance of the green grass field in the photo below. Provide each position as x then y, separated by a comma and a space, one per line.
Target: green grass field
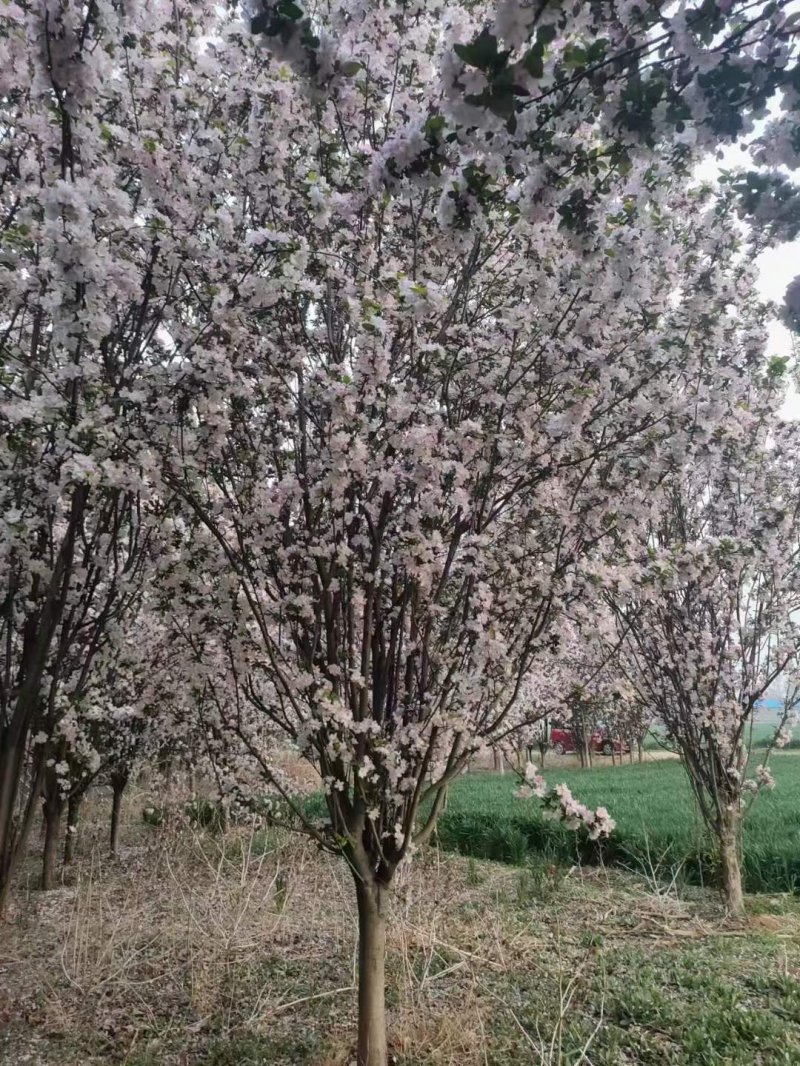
763, 735
657, 828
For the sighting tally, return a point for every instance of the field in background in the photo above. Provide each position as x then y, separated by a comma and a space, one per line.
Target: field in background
762, 737
657, 829
237, 949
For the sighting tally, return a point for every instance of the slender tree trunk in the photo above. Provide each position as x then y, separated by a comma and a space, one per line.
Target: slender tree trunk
52, 808
15, 840
372, 1046
73, 816
587, 754
640, 750
730, 864
166, 766
118, 783
13, 835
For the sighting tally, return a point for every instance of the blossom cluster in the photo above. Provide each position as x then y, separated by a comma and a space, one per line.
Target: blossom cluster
561, 805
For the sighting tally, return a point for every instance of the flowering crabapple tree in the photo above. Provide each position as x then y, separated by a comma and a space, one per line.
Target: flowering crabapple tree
74, 295
398, 349
127, 715
102, 189
451, 395
577, 683
563, 96
711, 621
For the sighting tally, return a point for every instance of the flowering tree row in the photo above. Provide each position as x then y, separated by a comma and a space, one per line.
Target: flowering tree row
346, 367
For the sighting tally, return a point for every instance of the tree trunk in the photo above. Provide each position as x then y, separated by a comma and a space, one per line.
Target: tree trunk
166, 766
118, 783
14, 831
640, 749
73, 815
15, 838
52, 807
730, 866
372, 1046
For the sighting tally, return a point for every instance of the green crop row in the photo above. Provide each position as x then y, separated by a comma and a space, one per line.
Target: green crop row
657, 828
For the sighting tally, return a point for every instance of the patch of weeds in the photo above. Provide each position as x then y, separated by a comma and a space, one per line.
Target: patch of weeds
301, 1049
591, 939
206, 814
154, 816
538, 882
474, 876
281, 891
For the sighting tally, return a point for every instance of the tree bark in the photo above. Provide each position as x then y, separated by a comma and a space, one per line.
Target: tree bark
372, 1047
52, 808
730, 865
14, 831
73, 816
118, 783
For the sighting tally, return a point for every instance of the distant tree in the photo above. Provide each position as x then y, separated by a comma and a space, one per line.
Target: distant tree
712, 620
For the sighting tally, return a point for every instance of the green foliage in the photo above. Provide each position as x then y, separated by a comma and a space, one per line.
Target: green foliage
154, 816
206, 814
483, 53
260, 1051
770, 200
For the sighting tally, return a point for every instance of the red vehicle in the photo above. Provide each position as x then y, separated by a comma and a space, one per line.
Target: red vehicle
563, 741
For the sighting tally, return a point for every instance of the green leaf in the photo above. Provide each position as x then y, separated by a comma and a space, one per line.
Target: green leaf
351, 67
574, 56
290, 10
433, 126
777, 366
261, 23
533, 60
482, 52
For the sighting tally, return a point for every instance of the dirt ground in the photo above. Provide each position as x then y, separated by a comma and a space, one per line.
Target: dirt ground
192, 949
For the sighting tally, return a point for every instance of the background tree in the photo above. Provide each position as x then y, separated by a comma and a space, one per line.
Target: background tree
711, 623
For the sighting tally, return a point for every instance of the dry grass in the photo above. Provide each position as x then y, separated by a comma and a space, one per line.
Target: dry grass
196, 950
190, 936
